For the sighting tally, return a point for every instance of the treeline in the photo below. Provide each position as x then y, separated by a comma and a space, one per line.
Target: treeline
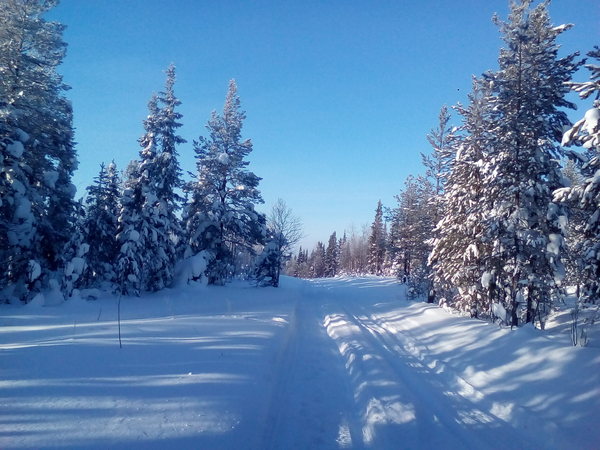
505, 216
136, 231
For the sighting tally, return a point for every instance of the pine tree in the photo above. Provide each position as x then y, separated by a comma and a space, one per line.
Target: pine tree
37, 156
377, 243
221, 219
524, 227
585, 195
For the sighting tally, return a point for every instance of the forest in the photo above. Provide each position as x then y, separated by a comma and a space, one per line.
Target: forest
505, 216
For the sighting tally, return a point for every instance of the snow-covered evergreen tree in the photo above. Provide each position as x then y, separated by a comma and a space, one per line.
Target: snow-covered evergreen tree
524, 227
163, 180
74, 255
459, 251
130, 234
268, 263
411, 228
585, 195
377, 242
100, 227
301, 268
221, 218
149, 229
317, 261
331, 256
37, 156
437, 164
284, 230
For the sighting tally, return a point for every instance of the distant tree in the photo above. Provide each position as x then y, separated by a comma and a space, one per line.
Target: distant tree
344, 255
220, 218
331, 256
377, 242
410, 231
268, 264
284, 231
301, 268
316, 261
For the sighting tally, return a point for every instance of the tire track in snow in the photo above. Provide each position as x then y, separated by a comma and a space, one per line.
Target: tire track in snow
437, 409
311, 404
526, 420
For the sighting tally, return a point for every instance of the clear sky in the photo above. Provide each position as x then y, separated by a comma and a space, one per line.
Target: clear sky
339, 95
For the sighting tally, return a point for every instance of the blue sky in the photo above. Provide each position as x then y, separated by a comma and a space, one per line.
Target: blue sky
339, 95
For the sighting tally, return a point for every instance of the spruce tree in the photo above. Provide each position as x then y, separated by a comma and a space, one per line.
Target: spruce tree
100, 227
377, 243
130, 238
163, 183
317, 261
221, 219
331, 256
75, 255
149, 229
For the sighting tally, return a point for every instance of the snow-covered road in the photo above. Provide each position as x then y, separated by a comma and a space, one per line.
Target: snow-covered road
352, 384
342, 363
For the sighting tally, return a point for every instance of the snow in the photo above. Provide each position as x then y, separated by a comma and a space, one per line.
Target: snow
486, 279
22, 135
23, 209
554, 245
223, 158
34, 270
335, 363
192, 268
133, 235
592, 119
15, 149
75, 266
50, 178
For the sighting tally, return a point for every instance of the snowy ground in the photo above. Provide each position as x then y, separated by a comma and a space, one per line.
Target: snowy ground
341, 363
